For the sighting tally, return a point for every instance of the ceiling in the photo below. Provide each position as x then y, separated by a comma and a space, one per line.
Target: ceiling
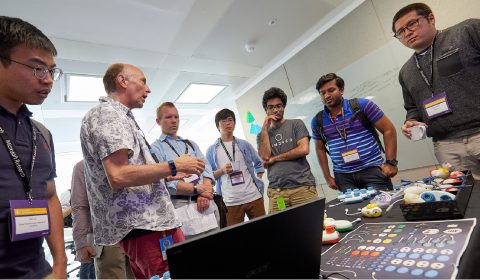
175, 42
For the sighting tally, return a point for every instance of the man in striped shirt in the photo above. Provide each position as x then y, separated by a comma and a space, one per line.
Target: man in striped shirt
355, 153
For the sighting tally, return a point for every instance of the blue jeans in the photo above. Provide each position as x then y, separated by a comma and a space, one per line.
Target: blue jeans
369, 177
87, 270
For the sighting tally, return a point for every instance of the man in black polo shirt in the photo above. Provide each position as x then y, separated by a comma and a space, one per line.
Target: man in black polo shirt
27, 72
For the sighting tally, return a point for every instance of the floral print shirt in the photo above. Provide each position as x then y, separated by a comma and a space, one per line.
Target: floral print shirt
107, 128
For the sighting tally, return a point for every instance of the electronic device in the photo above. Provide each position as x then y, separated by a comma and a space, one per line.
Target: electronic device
286, 244
330, 235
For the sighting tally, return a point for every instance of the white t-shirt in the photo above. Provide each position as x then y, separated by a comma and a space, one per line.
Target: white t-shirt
238, 194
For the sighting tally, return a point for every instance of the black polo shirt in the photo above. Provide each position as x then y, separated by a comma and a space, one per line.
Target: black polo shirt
25, 258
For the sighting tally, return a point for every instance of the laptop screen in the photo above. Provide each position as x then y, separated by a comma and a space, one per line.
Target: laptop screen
286, 244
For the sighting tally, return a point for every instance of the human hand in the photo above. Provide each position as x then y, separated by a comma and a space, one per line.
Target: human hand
389, 170
60, 270
189, 164
269, 119
179, 176
202, 204
85, 254
406, 127
205, 190
227, 169
331, 183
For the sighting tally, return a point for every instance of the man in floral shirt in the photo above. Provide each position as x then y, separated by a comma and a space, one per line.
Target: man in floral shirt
128, 202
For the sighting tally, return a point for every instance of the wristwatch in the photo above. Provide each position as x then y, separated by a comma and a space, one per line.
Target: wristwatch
173, 168
392, 162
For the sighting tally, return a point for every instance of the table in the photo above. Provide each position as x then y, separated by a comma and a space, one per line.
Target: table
471, 257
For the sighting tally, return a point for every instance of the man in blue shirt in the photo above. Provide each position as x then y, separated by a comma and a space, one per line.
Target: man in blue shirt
239, 174
171, 146
355, 153
27, 72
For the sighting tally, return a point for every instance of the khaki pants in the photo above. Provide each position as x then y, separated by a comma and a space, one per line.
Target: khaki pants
292, 196
236, 214
113, 264
463, 153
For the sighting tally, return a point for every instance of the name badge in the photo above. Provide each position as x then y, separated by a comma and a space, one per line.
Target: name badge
236, 178
165, 242
350, 155
192, 179
28, 219
437, 106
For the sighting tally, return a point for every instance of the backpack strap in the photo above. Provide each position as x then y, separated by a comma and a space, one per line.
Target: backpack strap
43, 131
319, 118
358, 113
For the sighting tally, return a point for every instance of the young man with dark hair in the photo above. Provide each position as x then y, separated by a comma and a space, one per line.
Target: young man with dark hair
283, 145
353, 145
27, 168
238, 171
441, 84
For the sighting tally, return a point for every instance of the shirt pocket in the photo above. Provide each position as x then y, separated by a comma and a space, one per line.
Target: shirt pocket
449, 63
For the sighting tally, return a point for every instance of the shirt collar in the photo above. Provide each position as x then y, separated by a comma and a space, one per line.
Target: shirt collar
169, 138
345, 108
22, 112
116, 104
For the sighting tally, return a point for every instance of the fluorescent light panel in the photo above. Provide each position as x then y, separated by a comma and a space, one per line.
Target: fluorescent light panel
200, 93
82, 88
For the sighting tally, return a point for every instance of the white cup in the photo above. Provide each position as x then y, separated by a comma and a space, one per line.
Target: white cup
418, 132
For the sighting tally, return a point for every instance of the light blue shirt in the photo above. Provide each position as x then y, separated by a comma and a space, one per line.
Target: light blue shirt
164, 152
252, 160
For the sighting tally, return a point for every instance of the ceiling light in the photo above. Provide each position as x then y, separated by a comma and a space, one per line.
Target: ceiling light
249, 48
200, 93
369, 97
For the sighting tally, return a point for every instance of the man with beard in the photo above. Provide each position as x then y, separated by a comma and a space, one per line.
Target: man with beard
283, 145
355, 151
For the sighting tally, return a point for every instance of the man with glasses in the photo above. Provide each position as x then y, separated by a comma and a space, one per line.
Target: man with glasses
238, 171
186, 191
348, 128
283, 145
441, 84
27, 168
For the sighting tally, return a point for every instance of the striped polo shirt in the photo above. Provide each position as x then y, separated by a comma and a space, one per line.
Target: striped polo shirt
357, 136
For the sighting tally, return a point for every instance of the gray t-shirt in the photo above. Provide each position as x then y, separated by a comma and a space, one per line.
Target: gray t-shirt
291, 173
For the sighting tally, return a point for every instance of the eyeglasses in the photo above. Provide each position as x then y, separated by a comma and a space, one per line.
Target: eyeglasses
41, 71
227, 120
410, 26
278, 107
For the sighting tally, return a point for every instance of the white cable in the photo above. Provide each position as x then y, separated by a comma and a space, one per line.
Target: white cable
352, 214
335, 204
391, 205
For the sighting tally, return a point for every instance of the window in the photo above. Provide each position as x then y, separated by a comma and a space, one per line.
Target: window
84, 88
200, 93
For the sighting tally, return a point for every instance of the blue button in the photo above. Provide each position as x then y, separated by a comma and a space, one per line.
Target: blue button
431, 274
401, 255
390, 268
402, 270
443, 258
427, 257
417, 272
414, 256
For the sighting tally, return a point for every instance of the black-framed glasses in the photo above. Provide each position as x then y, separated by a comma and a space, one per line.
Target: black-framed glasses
278, 107
41, 71
410, 26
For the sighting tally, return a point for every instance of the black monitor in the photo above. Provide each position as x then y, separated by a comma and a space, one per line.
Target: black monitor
286, 244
